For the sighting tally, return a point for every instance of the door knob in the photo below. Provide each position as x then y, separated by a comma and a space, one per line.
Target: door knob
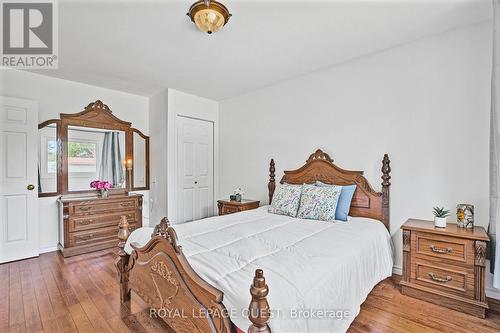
196, 182
30, 187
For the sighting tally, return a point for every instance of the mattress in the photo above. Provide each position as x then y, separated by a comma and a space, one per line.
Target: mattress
318, 272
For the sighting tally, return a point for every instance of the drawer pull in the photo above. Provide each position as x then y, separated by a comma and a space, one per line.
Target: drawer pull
130, 215
126, 204
436, 278
87, 237
85, 208
85, 222
441, 250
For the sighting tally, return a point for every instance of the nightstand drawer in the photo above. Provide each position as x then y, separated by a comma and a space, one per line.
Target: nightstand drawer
230, 207
229, 210
454, 280
450, 249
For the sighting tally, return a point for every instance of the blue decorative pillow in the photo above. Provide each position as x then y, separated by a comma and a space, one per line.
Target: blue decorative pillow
345, 200
319, 203
286, 200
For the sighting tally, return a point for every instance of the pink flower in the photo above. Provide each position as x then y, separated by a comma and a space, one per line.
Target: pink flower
101, 185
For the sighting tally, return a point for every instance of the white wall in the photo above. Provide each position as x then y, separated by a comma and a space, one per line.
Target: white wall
165, 107
158, 108
425, 103
55, 96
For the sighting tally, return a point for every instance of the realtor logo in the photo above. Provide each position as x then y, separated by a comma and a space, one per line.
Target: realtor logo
29, 37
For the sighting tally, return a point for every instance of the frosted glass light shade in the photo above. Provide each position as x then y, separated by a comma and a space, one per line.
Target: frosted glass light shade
209, 16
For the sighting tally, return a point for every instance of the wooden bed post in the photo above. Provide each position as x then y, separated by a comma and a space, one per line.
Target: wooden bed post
272, 182
386, 170
259, 311
122, 260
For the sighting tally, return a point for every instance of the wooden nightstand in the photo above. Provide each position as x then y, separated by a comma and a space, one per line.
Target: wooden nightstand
229, 207
445, 265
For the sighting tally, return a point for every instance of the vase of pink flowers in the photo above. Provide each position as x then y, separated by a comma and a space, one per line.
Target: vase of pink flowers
102, 186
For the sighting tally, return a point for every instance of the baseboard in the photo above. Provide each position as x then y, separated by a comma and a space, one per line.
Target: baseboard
398, 270
493, 293
47, 249
494, 305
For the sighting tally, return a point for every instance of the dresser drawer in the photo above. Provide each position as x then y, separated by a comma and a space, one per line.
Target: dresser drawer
91, 207
451, 279
99, 221
449, 249
95, 235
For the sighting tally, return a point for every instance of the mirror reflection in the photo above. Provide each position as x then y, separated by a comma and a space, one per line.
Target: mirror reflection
139, 179
95, 154
47, 159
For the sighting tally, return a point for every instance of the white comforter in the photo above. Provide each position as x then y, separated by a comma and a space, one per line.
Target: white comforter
318, 272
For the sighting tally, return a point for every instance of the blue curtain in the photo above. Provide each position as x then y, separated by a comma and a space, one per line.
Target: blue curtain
111, 168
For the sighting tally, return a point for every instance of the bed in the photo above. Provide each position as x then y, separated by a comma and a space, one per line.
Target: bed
318, 272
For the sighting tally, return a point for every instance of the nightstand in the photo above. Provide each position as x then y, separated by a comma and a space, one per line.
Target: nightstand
445, 266
229, 207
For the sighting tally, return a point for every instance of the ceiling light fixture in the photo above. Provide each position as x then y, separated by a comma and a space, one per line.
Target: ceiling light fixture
209, 16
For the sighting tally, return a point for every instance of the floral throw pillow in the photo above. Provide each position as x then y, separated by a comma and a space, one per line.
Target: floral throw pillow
286, 200
319, 203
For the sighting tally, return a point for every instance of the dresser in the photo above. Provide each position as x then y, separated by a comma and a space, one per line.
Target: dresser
90, 223
229, 207
445, 266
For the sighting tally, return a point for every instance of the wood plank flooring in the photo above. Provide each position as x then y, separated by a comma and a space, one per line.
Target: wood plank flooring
80, 294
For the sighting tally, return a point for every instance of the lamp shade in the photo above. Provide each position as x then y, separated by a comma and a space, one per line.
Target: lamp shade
209, 16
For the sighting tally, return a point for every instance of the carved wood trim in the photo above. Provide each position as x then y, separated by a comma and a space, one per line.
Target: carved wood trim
46, 123
406, 255
259, 311
272, 181
366, 201
49, 122
406, 240
95, 115
161, 275
147, 161
480, 253
98, 114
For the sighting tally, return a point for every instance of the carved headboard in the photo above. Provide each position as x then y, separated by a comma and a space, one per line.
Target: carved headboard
366, 201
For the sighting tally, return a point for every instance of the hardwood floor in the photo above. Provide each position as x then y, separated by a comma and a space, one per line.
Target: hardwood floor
80, 294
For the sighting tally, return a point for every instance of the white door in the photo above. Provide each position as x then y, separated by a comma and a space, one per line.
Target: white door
195, 165
18, 179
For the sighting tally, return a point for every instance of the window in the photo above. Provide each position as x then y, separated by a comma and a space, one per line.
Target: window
82, 157
51, 156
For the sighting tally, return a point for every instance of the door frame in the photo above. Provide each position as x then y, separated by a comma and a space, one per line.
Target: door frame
194, 107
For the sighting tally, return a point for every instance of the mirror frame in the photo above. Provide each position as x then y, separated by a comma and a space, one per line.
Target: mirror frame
146, 143
95, 115
49, 122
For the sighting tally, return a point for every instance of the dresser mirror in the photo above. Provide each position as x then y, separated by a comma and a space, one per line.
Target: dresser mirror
95, 154
140, 172
91, 145
47, 158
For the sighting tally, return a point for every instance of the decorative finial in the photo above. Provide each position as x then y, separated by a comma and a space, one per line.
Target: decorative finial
259, 311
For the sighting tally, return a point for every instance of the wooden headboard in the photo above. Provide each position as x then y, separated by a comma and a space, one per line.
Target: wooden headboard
319, 166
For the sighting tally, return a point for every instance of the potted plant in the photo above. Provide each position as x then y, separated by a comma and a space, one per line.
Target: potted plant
440, 215
102, 186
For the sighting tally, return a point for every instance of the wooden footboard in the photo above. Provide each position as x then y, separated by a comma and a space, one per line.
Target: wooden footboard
161, 275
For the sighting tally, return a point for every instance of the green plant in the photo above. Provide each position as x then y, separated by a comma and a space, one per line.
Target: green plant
440, 212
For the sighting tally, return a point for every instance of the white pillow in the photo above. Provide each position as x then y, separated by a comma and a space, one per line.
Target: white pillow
319, 203
286, 200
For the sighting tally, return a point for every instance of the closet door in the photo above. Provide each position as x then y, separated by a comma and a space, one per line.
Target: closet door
195, 181
18, 179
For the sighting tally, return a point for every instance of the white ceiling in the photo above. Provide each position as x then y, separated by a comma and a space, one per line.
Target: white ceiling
143, 46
